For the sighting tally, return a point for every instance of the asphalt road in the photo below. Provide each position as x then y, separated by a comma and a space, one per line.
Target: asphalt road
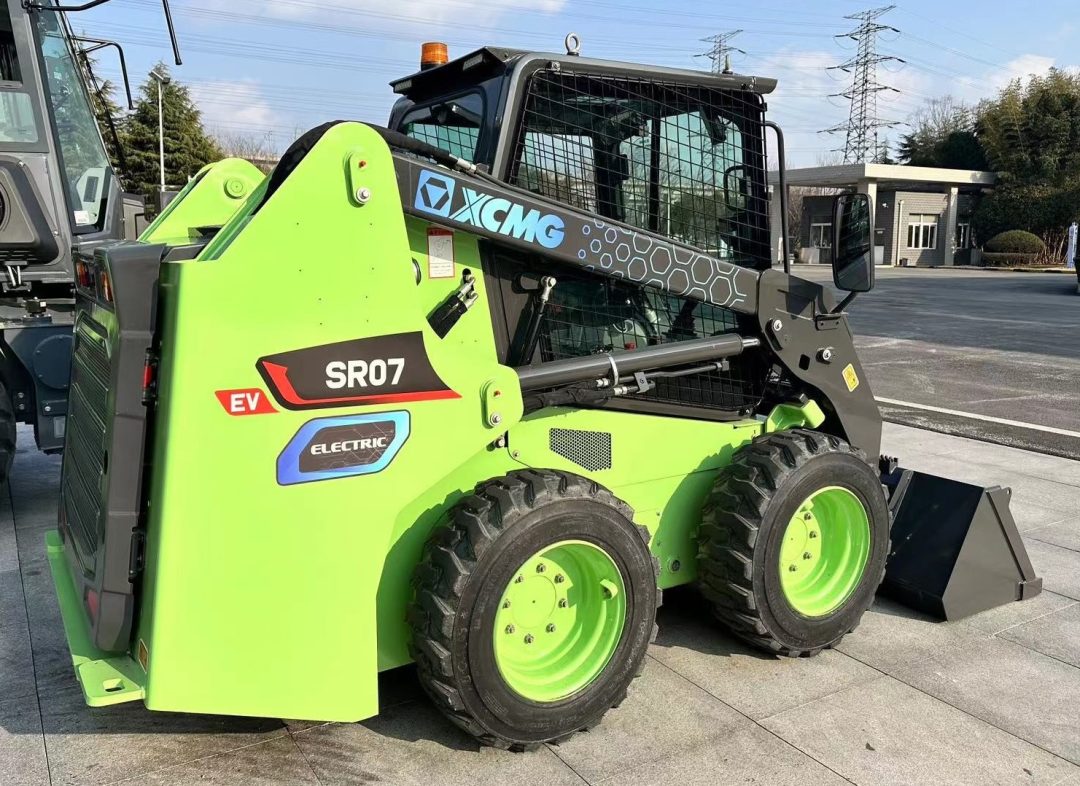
995, 345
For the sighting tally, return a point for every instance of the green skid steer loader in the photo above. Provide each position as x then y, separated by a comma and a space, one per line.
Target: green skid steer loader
469, 392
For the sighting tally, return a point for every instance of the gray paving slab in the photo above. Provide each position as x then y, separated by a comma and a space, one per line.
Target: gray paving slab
664, 715
22, 745
892, 635
1030, 695
412, 744
748, 755
887, 732
274, 761
754, 683
1039, 465
16, 663
1059, 568
94, 746
910, 443
1065, 534
1056, 635
994, 621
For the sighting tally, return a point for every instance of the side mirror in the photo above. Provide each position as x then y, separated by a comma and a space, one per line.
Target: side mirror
853, 243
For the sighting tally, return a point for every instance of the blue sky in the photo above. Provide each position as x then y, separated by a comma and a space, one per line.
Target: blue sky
273, 68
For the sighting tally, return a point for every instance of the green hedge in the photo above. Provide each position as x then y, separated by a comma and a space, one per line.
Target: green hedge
1008, 259
1015, 241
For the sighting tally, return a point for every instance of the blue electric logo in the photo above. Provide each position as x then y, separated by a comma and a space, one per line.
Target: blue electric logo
342, 447
435, 195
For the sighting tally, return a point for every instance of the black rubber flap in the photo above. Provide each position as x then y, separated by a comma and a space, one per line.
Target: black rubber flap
956, 550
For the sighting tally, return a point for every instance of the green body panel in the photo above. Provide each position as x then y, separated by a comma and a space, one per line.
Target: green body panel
276, 600
662, 467
209, 199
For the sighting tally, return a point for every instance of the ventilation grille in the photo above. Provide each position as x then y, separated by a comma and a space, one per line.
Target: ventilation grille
588, 449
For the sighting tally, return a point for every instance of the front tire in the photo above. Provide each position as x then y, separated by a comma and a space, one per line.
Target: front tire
535, 604
793, 542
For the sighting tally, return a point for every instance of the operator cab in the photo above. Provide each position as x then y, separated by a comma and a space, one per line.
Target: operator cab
678, 153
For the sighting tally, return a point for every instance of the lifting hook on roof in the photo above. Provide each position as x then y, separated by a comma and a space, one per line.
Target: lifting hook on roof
572, 42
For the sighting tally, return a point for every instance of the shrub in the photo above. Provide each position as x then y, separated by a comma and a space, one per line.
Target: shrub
1015, 241
1009, 259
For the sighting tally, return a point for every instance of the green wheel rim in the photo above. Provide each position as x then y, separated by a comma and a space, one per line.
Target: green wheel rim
824, 551
559, 621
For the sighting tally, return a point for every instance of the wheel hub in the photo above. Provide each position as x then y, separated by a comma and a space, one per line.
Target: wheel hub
559, 621
824, 551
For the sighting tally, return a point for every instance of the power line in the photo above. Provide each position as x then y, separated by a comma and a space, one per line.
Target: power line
720, 53
861, 130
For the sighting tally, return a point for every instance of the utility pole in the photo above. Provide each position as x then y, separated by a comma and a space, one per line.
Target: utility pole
162, 79
720, 54
861, 130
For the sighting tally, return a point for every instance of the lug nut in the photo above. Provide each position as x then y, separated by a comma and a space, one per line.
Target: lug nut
792, 568
807, 555
519, 579
559, 578
807, 516
812, 535
551, 628
541, 568
509, 628
562, 603
528, 638
506, 604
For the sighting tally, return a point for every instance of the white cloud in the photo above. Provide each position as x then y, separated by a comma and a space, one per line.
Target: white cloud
1019, 68
235, 106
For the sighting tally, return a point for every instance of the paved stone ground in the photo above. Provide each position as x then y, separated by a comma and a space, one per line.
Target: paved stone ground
1004, 345
991, 700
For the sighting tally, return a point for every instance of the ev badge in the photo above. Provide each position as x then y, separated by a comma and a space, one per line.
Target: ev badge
434, 193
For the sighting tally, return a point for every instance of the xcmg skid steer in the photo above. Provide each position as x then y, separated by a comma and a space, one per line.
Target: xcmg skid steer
470, 391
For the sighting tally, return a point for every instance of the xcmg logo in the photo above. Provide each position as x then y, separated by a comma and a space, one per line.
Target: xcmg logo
435, 195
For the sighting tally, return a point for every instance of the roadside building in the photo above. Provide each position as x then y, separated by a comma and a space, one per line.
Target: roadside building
922, 215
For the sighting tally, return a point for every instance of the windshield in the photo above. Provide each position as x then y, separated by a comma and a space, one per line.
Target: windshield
16, 112
453, 124
85, 163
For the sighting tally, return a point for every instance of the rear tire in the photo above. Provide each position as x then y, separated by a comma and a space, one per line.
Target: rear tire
793, 542
486, 663
7, 434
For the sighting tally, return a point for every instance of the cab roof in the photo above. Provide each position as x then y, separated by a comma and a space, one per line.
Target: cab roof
489, 61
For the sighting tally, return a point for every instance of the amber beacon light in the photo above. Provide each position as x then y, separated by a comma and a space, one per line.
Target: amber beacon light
432, 54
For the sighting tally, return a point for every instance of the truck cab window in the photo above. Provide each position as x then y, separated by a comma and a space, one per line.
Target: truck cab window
452, 124
85, 163
16, 112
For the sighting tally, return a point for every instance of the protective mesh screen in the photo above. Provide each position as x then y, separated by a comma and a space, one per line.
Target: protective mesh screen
587, 316
684, 161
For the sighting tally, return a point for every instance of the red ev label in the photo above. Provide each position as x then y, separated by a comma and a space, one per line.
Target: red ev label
245, 401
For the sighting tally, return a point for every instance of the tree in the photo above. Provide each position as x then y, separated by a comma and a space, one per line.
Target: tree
187, 146
942, 135
256, 148
1031, 133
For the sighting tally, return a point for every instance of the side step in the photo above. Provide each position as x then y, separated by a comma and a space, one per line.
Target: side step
956, 550
106, 679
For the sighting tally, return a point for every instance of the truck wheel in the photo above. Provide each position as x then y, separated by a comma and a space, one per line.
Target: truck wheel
535, 604
793, 542
7, 434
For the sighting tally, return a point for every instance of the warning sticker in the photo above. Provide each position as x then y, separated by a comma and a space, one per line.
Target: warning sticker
440, 253
851, 379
